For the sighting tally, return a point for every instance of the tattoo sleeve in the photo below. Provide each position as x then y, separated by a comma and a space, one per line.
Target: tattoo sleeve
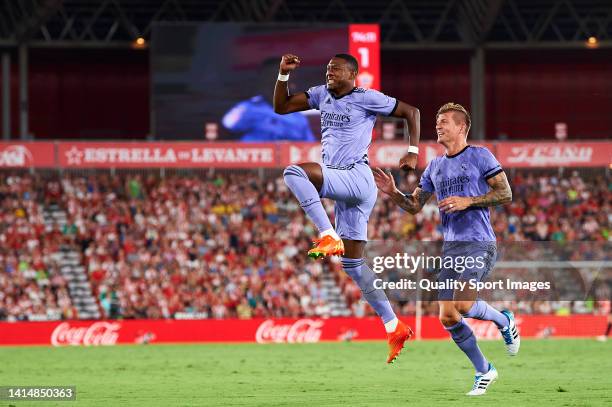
499, 194
412, 203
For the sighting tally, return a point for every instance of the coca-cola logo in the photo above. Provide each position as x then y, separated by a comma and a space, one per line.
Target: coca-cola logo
301, 331
15, 156
98, 333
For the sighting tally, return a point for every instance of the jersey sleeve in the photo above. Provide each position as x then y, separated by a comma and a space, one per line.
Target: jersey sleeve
426, 184
379, 103
489, 166
315, 95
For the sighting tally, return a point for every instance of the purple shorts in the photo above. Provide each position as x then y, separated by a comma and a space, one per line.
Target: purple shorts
354, 190
483, 255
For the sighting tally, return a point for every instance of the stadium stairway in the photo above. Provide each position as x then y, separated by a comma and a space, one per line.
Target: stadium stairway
72, 268
333, 294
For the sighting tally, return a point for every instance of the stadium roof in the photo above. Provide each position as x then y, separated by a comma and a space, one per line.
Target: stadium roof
404, 24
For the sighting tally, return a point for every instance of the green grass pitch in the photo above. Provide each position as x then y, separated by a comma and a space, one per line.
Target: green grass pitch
430, 373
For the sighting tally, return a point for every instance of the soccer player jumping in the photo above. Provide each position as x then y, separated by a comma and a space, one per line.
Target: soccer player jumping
466, 181
348, 115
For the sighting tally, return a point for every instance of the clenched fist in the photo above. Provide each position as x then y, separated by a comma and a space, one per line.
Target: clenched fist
288, 63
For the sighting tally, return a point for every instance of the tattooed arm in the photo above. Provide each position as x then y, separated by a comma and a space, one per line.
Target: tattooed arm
411, 203
499, 194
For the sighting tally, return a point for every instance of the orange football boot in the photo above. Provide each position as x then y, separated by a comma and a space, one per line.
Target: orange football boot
396, 340
326, 246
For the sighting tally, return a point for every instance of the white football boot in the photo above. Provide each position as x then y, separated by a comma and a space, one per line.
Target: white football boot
482, 381
511, 335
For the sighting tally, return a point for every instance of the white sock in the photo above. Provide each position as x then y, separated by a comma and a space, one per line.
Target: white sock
391, 325
331, 232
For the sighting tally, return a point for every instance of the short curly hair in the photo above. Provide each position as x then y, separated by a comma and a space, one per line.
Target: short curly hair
456, 107
350, 60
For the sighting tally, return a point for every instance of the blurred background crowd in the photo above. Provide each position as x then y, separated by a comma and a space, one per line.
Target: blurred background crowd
233, 244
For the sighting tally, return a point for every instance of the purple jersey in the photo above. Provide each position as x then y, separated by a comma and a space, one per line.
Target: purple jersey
463, 174
347, 122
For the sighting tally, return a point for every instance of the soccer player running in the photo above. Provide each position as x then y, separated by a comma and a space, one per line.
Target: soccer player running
466, 181
348, 114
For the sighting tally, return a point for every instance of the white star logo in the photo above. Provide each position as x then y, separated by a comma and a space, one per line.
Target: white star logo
74, 156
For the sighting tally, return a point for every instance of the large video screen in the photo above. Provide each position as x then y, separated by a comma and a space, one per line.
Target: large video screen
216, 80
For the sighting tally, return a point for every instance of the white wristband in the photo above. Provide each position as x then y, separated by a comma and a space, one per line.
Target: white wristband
283, 78
413, 149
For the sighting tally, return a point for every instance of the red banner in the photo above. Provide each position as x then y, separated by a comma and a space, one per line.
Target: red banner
562, 154
510, 155
26, 155
364, 44
167, 155
279, 155
93, 333
384, 154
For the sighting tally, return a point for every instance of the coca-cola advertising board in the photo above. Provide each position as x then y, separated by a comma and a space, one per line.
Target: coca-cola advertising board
98, 333
265, 331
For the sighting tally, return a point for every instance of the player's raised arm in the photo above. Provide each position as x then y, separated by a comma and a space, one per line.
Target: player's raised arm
284, 102
412, 203
412, 123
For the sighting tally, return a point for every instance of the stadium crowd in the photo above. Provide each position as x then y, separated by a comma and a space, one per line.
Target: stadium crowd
31, 284
232, 244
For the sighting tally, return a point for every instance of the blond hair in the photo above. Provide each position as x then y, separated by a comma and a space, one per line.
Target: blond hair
456, 107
